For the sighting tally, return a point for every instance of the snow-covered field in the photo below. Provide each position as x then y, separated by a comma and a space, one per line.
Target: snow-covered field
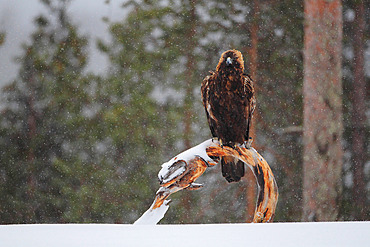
271, 234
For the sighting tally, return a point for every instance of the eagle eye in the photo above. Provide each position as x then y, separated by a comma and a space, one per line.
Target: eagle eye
229, 61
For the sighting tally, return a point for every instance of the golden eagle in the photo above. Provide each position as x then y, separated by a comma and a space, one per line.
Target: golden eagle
228, 98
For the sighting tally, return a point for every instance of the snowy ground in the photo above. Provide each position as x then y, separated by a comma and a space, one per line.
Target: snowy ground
271, 234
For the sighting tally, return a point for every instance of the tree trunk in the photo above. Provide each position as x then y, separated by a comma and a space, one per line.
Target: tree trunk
253, 54
31, 136
188, 107
322, 90
358, 113
189, 77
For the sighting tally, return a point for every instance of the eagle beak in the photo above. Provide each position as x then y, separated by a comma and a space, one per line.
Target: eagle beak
229, 61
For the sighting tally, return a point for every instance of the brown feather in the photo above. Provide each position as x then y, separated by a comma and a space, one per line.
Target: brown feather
229, 102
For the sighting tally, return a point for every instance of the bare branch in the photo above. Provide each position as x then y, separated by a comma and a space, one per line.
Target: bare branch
181, 172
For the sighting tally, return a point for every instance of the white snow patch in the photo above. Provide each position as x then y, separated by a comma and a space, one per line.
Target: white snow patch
199, 150
271, 234
170, 174
279, 32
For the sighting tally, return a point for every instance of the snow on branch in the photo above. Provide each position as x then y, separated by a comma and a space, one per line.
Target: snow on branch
181, 172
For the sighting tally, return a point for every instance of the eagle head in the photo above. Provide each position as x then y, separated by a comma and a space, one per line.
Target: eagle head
231, 60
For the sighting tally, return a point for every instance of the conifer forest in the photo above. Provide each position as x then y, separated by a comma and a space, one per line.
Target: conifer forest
78, 146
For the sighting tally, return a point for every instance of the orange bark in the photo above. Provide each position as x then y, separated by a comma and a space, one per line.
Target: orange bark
322, 90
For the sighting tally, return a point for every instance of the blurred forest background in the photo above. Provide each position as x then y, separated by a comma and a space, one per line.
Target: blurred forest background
81, 147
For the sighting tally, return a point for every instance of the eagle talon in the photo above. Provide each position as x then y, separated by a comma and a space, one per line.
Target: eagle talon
248, 144
216, 139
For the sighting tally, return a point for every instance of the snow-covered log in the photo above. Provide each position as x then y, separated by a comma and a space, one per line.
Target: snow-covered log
181, 172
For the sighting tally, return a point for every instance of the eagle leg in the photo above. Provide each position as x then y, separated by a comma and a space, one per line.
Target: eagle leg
216, 139
221, 144
248, 145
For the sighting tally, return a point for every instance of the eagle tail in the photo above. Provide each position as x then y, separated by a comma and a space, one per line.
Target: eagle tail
232, 169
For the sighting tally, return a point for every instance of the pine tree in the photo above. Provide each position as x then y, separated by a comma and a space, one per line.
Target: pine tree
41, 120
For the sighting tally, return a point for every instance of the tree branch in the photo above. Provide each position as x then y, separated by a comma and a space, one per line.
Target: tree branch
181, 172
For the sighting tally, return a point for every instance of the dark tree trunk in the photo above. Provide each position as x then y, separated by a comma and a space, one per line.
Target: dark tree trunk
322, 90
188, 115
189, 98
358, 114
253, 65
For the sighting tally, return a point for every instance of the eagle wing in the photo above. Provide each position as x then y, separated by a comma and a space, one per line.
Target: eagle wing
250, 102
212, 120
